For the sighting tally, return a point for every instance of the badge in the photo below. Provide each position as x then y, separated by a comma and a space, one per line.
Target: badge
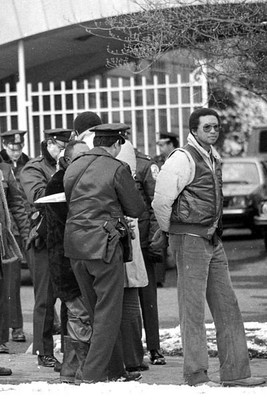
17, 138
154, 171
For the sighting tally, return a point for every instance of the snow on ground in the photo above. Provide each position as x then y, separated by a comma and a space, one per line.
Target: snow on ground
171, 345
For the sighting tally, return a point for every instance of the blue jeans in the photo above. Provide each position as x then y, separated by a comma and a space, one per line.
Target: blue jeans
203, 274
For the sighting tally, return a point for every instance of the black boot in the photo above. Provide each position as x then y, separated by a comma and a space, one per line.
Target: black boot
70, 362
81, 349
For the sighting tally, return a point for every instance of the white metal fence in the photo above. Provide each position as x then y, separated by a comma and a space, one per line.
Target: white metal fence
148, 105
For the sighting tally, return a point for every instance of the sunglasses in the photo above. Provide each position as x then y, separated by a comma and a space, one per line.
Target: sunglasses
207, 128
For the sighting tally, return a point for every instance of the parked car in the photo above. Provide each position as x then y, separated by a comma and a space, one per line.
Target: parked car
245, 193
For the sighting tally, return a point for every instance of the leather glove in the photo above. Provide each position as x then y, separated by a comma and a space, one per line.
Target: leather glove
159, 240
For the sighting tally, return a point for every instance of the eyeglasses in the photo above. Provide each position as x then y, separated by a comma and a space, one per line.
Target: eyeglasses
207, 128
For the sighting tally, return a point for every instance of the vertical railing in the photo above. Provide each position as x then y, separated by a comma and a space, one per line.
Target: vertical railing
161, 107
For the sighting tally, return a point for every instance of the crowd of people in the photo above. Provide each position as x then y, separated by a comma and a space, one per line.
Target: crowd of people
94, 218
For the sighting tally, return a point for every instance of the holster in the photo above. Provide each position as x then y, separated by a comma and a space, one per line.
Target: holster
112, 242
116, 234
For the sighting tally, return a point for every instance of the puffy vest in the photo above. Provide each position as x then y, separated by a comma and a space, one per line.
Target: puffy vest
198, 208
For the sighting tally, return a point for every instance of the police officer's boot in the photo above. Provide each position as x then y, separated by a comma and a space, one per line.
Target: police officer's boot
81, 349
70, 362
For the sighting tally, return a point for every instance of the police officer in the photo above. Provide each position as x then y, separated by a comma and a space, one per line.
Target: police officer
12, 154
146, 174
34, 178
168, 141
100, 190
11, 200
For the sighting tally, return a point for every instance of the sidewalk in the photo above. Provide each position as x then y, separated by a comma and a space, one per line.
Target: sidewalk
25, 370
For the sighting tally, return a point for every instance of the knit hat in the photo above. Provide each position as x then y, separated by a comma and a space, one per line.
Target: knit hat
85, 121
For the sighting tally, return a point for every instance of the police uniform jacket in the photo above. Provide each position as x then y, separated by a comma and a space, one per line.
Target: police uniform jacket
100, 191
17, 169
12, 196
146, 174
63, 279
35, 175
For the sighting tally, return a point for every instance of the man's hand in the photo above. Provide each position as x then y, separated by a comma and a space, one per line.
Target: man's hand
159, 240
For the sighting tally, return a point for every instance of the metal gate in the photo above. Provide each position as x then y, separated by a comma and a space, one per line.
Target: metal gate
148, 105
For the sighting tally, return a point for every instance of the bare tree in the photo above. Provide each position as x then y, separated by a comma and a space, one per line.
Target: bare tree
227, 36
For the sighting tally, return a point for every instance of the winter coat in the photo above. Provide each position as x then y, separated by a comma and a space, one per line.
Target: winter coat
10, 199
17, 169
146, 175
34, 177
14, 200
100, 191
62, 276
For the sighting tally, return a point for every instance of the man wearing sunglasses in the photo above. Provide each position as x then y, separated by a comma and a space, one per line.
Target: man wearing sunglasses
34, 178
188, 205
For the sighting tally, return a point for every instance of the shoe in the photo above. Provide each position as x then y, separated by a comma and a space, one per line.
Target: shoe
4, 348
47, 361
143, 367
156, 358
209, 384
18, 335
128, 377
246, 382
5, 371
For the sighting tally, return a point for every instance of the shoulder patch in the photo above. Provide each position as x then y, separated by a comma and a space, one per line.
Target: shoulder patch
154, 171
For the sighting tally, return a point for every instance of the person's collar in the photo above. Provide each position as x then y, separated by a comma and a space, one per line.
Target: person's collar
192, 140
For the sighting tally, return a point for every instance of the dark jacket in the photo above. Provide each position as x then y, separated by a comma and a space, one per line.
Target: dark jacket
35, 175
11, 203
198, 208
14, 200
17, 169
146, 174
63, 279
100, 191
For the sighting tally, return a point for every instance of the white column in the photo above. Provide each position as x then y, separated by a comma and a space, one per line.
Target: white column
21, 88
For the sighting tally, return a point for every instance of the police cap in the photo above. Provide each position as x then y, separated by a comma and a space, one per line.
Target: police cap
111, 130
14, 136
65, 135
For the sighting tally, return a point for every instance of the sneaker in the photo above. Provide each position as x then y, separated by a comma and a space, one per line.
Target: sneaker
246, 382
128, 377
143, 367
5, 371
4, 348
47, 361
156, 358
18, 335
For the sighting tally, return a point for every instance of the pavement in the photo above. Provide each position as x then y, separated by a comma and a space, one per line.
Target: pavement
26, 370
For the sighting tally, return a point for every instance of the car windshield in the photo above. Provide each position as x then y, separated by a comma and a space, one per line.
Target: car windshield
240, 173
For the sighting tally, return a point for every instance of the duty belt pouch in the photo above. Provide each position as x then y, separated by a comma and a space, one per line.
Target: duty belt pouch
112, 241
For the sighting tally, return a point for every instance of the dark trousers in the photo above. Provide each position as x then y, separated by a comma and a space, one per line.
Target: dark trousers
4, 305
102, 287
15, 311
149, 305
131, 329
43, 312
